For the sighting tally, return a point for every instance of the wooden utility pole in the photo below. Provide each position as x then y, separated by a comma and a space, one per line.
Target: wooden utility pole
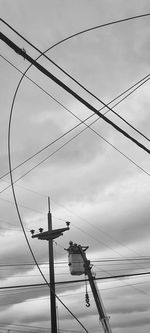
51, 274
49, 236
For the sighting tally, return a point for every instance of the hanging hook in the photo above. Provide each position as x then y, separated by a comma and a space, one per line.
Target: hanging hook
87, 300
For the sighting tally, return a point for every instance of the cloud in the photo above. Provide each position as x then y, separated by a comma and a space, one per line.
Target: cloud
103, 194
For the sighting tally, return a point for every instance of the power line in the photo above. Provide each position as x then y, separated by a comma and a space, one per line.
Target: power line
62, 262
62, 146
77, 293
71, 77
26, 207
33, 327
19, 212
76, 281
106, 271
25, 235
26, 326
12, 185
125, 155
139, 83
42, 69
97, 239
24, 232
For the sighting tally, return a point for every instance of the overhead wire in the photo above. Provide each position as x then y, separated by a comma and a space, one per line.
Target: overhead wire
80, 228
47, 73
73, 137
50, 156
35, 286
10, 166
34, 327
26, 326
110, 277
98, 269
21, 223
108, 246
21, 205
96, 239
135, 86
71, 77
18, 212
13, 325
94, 227
69, 294
63, 262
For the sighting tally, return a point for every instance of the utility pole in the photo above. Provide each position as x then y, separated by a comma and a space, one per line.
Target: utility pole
49, 236
52, 276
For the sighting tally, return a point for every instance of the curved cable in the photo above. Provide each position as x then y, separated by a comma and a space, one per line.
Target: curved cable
82, 31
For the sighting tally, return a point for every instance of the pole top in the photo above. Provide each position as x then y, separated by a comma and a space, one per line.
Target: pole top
49, 204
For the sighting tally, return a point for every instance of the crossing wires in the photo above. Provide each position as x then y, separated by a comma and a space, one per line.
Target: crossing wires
70, 91
124, 95
80, 99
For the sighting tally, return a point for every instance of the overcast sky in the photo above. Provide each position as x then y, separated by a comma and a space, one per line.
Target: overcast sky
99, 181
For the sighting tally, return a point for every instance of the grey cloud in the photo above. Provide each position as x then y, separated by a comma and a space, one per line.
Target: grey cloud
137, 322
86, 176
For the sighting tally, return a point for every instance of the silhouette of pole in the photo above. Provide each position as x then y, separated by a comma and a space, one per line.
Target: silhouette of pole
51, 275
49, 235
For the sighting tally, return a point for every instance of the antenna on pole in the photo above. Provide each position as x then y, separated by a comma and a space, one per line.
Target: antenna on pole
49, 204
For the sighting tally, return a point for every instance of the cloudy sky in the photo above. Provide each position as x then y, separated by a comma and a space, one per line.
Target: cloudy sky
96, 178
